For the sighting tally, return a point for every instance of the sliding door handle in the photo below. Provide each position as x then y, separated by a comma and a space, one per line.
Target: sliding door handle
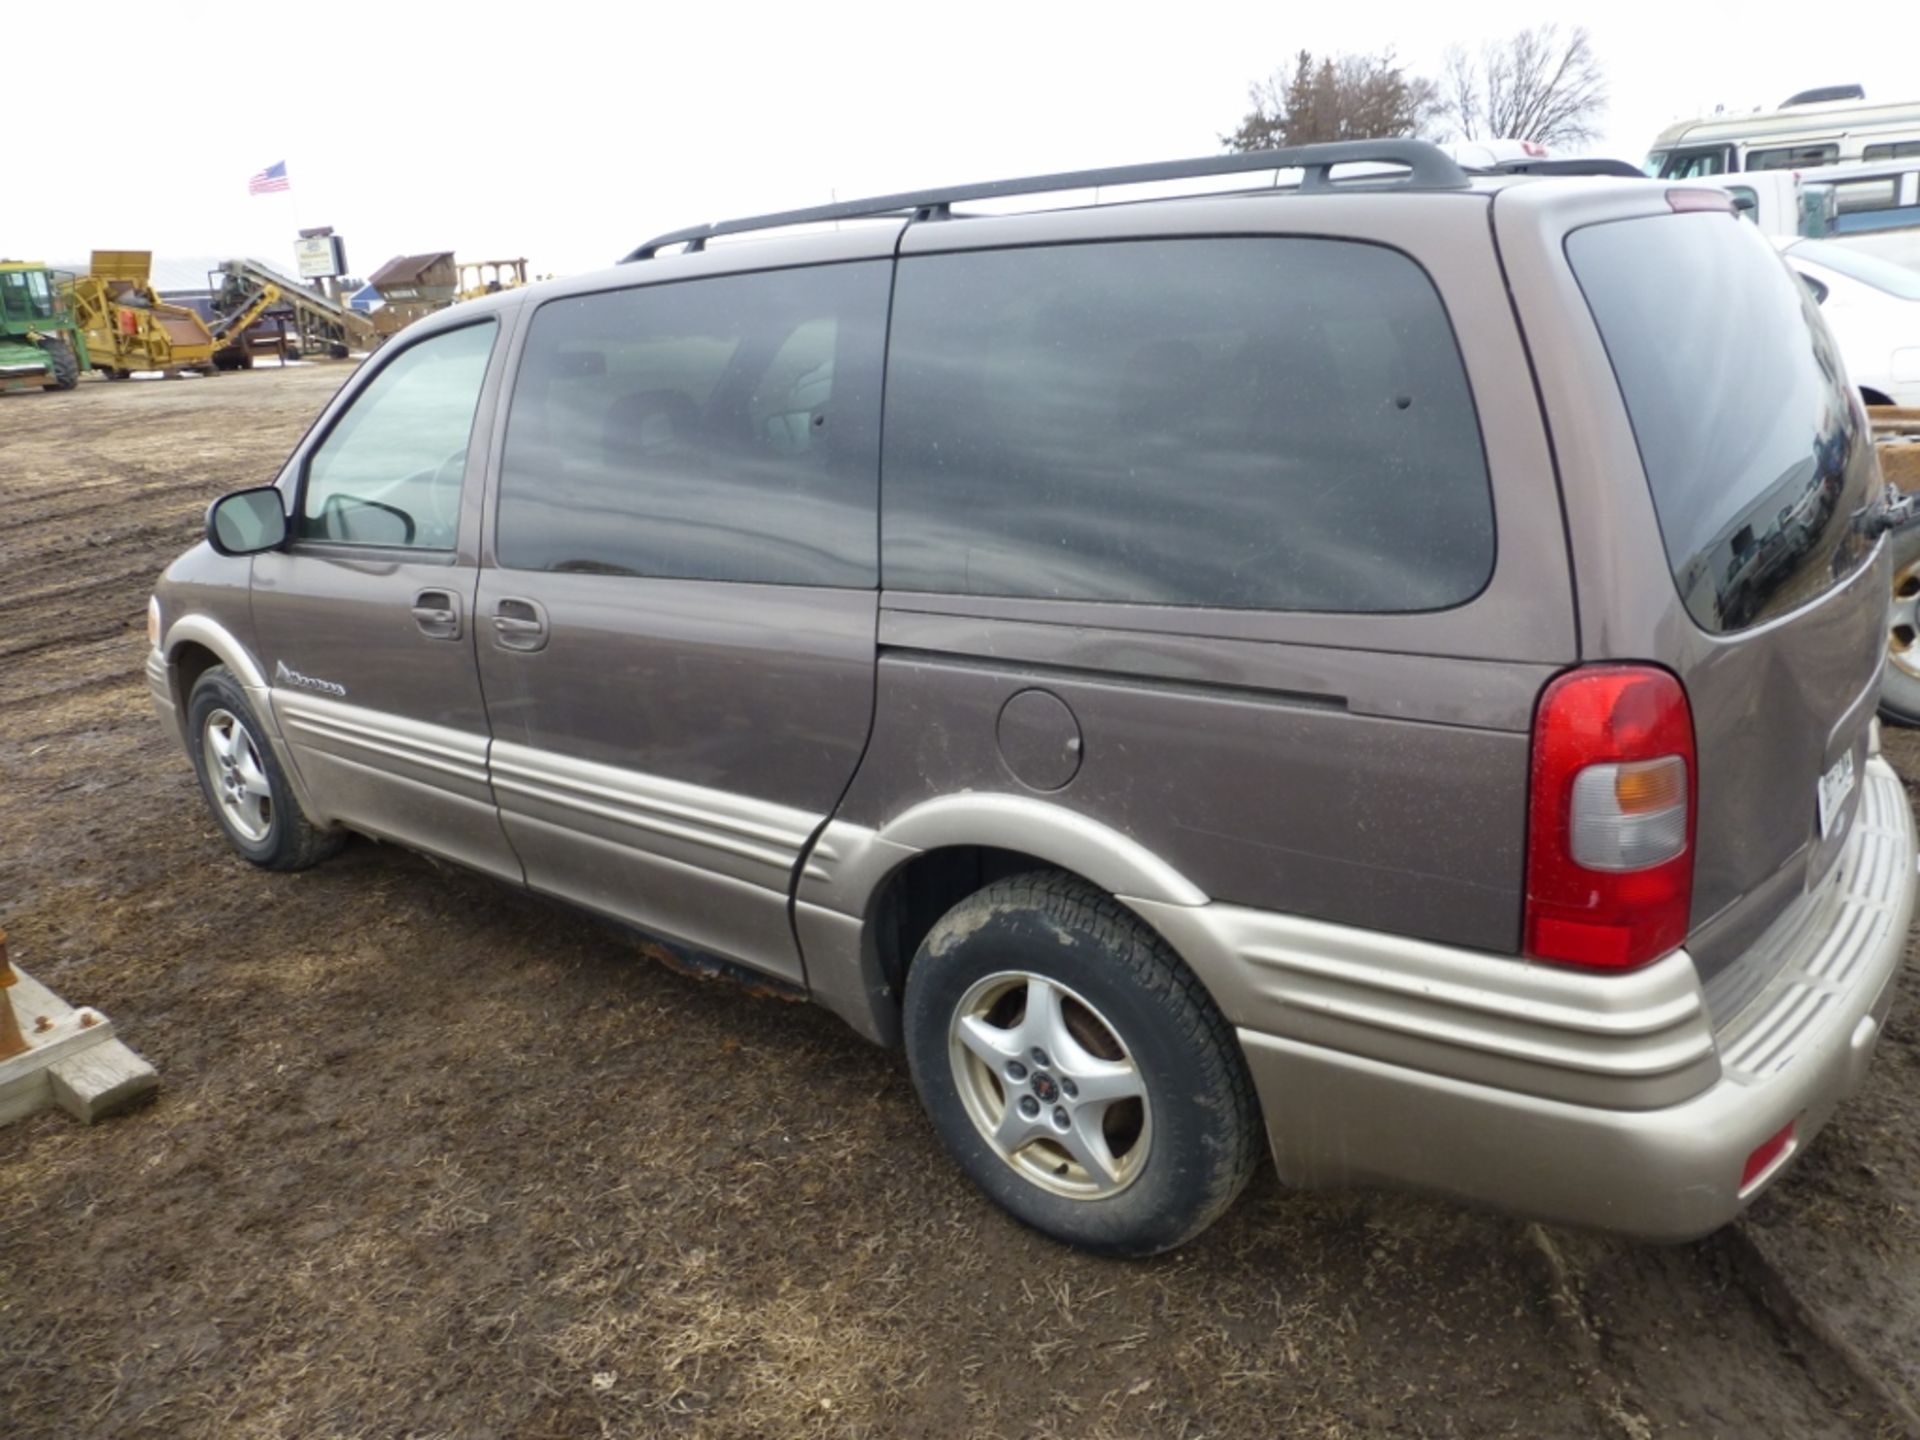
519, 624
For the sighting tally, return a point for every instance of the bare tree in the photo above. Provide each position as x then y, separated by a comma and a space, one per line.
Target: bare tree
1344, 97
1534, 86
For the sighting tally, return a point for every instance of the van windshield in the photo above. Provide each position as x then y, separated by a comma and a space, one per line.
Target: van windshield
1868, 269
1756, 454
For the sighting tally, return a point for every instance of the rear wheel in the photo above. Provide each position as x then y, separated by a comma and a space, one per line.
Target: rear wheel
1076, 1070
65, 369
1900, 681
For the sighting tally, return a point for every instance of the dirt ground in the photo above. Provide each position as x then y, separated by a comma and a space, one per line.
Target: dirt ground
435, 1158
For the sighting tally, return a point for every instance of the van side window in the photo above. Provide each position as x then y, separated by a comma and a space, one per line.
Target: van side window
390, 471
1693, 164
1268, 423
1893, 150
1880, 202
1792, 157
715, 429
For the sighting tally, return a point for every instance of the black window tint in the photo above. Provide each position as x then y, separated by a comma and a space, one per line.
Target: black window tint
1692, 164
1739, 401
1792, 157
1248, 423
720, 429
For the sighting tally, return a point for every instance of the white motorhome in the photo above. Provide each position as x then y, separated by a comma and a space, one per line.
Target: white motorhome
1798, 136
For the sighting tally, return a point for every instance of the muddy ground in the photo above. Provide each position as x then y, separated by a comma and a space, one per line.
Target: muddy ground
434, 1158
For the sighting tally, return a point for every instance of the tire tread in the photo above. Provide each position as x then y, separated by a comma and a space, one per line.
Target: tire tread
300, 844
1151, 964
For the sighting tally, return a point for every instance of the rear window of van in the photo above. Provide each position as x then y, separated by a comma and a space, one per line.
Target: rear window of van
1749, 433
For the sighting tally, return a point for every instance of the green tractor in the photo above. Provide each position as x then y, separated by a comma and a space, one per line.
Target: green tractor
39, 342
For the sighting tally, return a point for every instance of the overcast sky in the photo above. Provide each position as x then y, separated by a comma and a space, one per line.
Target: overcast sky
568, 132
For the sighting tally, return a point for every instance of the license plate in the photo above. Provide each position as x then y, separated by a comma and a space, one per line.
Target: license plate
1835, 786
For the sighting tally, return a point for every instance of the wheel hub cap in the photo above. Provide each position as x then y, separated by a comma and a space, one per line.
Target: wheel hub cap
1050, 1085
1903, 623
242, 795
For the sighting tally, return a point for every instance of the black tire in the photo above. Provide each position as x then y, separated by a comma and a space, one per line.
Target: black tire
1900, 679
290, 841
1199, 1115
337, 351
117, 373
61, 362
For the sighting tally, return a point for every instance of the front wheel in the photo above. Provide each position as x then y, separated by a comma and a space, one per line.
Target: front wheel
243, 783
63, 368
1075, 1068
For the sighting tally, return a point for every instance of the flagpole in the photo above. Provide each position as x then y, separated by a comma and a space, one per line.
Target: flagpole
293, 204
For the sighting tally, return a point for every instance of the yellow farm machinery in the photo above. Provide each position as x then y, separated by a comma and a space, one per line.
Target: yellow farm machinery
411, 286
489, 277
128, 327
318, 324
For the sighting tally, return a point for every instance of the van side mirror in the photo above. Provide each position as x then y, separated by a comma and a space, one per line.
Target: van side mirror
247, 522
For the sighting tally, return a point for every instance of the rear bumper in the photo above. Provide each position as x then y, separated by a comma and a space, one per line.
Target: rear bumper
1608, 1101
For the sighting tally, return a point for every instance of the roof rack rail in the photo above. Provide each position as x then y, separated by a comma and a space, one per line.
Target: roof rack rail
1428, 168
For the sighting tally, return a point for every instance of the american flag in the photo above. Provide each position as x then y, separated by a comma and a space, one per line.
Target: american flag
274, 177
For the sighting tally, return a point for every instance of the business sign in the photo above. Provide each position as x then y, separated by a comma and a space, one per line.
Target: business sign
320, 255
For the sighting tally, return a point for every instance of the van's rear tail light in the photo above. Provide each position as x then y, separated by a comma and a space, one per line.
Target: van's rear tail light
1610, 818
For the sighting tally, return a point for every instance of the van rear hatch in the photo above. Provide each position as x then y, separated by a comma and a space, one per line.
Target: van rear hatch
1761, 468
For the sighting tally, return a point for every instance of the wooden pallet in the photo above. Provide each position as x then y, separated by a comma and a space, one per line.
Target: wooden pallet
1896, 433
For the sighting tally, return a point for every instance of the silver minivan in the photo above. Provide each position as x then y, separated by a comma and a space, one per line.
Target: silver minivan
1377, 668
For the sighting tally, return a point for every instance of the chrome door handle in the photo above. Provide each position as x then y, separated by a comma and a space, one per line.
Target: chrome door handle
437, 613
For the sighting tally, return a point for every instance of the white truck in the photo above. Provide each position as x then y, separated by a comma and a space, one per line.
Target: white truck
1874, 208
